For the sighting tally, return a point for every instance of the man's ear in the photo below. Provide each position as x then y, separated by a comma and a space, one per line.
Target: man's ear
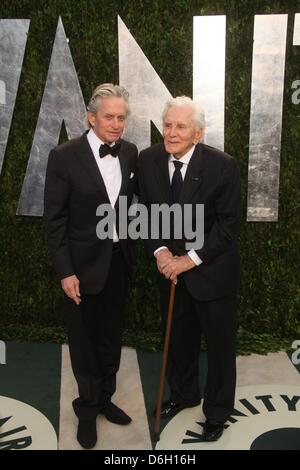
198, 136
91, 118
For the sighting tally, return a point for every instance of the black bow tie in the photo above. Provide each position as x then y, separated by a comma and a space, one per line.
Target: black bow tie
107, 150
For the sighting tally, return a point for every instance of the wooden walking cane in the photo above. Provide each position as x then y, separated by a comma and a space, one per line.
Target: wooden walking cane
156, 436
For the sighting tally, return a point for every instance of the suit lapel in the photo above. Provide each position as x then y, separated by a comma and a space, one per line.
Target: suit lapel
162, 174
125, 171
88, 161
193, 176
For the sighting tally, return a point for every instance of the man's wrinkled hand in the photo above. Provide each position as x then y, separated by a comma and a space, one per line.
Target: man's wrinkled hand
177, 265
70, 286
162, 259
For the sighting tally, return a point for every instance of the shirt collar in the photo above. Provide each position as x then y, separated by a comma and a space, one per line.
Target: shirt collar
185, 159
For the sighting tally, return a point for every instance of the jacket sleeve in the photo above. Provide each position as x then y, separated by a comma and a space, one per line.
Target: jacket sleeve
224, 231
56, 213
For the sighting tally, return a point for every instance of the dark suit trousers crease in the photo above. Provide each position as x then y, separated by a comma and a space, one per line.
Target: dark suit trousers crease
216, 320
95, 335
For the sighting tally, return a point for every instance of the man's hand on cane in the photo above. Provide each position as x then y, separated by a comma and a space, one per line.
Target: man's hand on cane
177, 265
163, 257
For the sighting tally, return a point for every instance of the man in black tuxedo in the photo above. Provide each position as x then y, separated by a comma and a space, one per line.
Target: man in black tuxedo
184, 171
82, 174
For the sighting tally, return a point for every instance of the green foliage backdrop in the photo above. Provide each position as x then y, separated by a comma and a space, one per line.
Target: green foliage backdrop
30, 299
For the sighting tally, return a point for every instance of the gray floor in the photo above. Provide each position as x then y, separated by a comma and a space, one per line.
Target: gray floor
269, 375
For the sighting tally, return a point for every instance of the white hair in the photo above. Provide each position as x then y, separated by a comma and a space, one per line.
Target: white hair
106, 90
186, 102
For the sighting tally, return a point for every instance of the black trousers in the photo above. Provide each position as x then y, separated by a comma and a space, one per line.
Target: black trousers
95, 335
216, 320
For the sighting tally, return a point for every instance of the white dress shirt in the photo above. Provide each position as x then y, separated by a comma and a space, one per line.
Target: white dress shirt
110, 170
185, 160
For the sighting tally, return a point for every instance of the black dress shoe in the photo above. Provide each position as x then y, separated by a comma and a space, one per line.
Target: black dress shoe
115, 415
87, 433
212, 431
170, 408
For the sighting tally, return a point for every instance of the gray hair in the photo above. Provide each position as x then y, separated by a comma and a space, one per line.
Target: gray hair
186, 102
105, 90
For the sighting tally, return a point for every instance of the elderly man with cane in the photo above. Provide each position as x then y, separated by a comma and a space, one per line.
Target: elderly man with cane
182, 170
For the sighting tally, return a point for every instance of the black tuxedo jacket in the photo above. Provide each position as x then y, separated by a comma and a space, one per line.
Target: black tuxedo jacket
74, 188
212, 178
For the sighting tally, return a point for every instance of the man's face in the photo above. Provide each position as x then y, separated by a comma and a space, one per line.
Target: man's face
179, 131
109, 121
